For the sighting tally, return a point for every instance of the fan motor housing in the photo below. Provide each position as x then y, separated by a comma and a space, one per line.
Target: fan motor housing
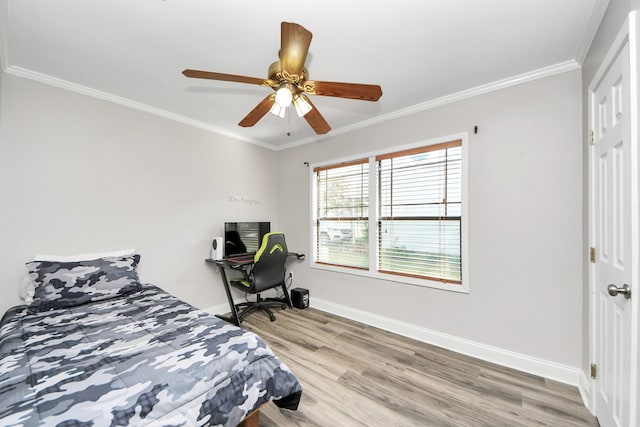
275, 73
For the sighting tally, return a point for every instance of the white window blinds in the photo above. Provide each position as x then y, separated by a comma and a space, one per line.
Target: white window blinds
342, 223
419, 212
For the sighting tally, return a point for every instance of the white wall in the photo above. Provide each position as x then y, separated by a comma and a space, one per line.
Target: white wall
82, 175
525, 221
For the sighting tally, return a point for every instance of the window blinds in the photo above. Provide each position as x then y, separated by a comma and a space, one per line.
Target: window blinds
342, 201
419, 212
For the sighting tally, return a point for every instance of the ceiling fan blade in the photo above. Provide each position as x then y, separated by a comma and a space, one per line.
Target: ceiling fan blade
344, 90
258, 112
220, 76
315, 119
294, 46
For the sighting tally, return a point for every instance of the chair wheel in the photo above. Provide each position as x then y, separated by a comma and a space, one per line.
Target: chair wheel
283, 306
272, 317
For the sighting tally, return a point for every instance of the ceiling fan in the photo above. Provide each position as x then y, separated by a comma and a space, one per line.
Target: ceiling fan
290, 80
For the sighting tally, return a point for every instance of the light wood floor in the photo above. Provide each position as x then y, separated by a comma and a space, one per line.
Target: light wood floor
353, 374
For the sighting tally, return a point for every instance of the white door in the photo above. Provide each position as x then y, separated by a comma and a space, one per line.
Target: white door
611, 236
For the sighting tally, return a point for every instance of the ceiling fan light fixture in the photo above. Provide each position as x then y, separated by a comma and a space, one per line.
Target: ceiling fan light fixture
284, 96
278, 110
289, 78
302, 105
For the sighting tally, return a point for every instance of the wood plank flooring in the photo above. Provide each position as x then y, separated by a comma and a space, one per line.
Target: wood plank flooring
357, 375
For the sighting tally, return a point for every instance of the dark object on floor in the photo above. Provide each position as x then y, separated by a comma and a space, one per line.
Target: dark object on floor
300, 297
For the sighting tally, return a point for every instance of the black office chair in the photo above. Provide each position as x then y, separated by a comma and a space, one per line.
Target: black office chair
267, 272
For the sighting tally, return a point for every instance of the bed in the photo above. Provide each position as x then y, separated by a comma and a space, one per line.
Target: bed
94, 347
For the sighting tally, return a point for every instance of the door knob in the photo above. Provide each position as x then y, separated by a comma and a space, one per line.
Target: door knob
624, 290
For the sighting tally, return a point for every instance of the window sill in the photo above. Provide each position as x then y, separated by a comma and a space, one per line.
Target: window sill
461, 288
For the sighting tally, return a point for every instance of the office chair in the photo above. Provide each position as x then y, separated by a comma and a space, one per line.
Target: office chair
266, 272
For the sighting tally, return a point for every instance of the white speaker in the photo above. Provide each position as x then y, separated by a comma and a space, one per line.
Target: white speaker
217, 248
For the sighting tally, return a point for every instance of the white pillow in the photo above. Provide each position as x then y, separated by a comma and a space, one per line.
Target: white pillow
27, 287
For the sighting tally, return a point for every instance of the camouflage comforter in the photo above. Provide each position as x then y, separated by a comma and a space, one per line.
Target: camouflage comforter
146, 358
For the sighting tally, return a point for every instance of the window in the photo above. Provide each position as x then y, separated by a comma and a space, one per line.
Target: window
419, 205
398, 216
342, 214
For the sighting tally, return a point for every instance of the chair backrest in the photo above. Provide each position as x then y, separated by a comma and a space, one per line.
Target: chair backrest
269, 262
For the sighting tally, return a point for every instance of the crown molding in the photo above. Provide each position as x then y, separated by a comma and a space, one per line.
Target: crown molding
308, 140
597, 14
84, 90
540, 73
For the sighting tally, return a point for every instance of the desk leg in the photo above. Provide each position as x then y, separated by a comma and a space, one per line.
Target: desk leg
234, 312
287, 297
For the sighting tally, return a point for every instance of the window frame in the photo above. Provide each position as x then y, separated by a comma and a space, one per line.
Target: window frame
373, 218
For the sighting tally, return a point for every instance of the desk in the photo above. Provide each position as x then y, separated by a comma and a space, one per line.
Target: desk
238, 264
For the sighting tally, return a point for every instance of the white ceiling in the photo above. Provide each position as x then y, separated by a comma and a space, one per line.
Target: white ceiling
419, 51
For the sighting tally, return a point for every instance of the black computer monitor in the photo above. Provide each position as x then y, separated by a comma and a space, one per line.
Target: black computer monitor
244, 237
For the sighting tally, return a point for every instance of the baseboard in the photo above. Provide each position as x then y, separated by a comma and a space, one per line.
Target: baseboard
522, 362
218, 309
585, 391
